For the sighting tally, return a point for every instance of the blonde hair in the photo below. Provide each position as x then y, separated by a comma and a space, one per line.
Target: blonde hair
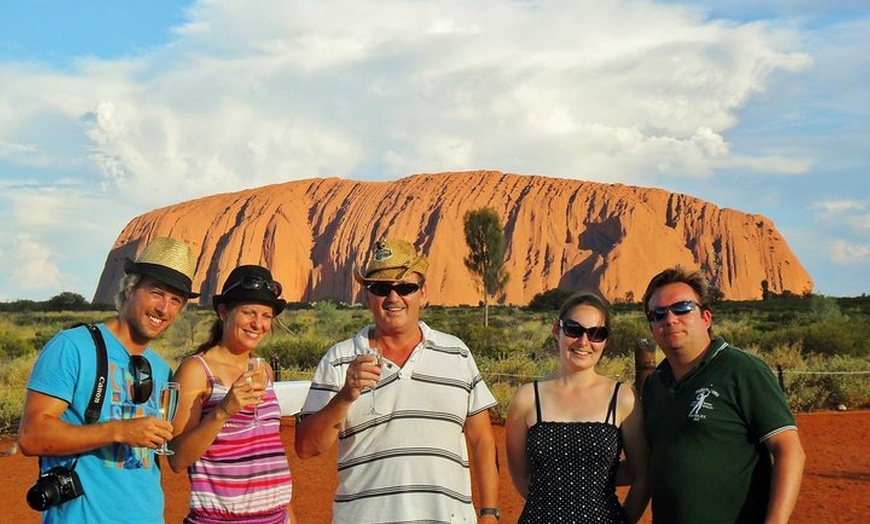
128, 283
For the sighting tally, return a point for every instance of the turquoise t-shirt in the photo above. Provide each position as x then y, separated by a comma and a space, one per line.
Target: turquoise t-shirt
121, 483
708, 460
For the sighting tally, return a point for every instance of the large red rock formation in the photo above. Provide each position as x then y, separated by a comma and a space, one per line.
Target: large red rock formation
609, 238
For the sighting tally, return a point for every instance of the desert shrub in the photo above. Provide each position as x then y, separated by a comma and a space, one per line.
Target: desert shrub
13, 343
325, 319
619, 367
813, 381
13, 383
626, 331
11, 403
808, 393
503, 393
40, 338
550, 300
484, 341
838, 336
300, 352
504, 376
825, 308
516, 369
326, 312
189, 330
851, 386
738, 331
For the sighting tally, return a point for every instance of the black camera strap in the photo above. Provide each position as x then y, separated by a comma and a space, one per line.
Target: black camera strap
98, 393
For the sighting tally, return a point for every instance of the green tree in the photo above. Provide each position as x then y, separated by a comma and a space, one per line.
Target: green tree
66, 301
485, 238
550, 300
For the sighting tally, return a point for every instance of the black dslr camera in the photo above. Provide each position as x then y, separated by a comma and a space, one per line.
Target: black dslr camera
56, 486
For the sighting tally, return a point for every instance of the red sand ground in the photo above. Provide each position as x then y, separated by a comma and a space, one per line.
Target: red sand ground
836, 485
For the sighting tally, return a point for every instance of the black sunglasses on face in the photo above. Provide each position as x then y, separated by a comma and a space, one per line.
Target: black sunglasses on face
677, 308
576, 330
140, 368
383, 289
249, 282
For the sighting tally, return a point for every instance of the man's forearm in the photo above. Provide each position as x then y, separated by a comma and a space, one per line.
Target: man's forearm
484, 453
317, 432
788, 466
52, 437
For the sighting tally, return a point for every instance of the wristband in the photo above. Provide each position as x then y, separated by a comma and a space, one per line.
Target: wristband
490, 511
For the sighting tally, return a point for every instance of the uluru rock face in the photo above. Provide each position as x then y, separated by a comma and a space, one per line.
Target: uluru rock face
608, 238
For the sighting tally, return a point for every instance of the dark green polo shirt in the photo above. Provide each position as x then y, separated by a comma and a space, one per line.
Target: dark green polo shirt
706, 432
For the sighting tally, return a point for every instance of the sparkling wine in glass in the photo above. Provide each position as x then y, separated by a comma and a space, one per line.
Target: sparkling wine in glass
259, 378
376, 352
168, 405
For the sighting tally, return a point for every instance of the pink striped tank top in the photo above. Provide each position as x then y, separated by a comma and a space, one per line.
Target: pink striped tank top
244, 475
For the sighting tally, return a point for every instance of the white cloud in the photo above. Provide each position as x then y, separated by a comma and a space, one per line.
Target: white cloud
861, 222
838, 207
50, 234
851, 213
7, 149
848, 253
848, 225
32, 265
292, 90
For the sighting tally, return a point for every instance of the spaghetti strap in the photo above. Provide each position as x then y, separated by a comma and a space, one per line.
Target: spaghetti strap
208, 375
205, 366
537, 401
611, 409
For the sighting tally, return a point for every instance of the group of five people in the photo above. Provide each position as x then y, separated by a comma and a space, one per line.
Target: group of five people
710, 437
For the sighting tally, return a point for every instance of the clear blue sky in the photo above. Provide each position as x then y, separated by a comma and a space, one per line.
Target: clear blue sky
111, 109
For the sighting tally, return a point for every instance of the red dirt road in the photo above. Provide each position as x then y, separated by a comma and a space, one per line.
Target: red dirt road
836, 485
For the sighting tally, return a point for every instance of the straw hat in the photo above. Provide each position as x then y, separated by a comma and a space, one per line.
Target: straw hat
251, 284
391, 260
168, 261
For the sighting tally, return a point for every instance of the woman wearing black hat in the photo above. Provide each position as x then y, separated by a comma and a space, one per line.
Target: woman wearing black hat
227, 427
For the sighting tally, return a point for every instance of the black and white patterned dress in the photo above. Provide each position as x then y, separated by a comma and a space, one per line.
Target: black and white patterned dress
573, 470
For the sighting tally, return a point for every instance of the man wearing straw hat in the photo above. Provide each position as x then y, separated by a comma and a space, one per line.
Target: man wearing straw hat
406, 404
112, 458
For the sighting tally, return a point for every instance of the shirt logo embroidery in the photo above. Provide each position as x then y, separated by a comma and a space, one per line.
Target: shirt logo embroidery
700, 402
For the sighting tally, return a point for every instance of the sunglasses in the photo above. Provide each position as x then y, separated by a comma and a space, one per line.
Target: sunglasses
140, 368
576, 330
251, 283
383, 289
680, 308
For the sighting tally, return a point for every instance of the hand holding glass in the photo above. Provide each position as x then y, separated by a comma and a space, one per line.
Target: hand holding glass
258, 379
168, 405
378, 358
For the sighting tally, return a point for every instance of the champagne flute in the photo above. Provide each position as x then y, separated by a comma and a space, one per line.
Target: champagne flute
168, 405
257, 364
376, 352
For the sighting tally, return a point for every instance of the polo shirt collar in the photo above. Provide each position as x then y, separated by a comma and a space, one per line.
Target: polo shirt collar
361, 341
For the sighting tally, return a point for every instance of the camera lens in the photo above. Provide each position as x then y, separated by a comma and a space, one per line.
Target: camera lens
43, 495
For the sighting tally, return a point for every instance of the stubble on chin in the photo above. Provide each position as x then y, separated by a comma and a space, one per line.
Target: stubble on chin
142, 332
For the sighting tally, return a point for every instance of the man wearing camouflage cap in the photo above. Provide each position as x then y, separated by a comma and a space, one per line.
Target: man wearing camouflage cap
112, 457
404, 427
